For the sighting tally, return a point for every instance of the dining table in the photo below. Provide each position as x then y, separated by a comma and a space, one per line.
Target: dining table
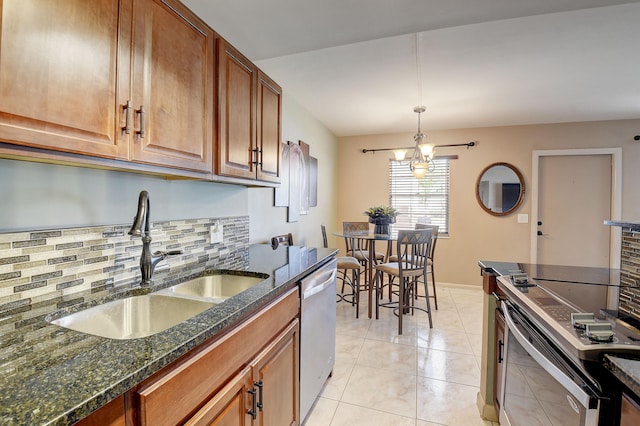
370, 237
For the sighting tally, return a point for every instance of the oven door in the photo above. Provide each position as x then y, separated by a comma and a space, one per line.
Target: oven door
540, 385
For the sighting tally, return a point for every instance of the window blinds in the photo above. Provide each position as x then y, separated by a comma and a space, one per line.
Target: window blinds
425, 199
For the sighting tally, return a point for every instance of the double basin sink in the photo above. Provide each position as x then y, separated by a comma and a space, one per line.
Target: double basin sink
145, 315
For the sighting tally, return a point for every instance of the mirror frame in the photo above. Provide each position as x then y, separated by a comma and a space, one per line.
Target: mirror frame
520, 198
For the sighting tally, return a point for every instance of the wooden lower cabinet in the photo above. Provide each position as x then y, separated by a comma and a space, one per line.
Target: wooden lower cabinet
630, 411
112, 414
265, 393
217, 382
275, 373
230, 406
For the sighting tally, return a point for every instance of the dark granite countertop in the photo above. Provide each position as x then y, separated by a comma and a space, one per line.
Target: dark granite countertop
624, 224
561, 273
58, 376
625, 370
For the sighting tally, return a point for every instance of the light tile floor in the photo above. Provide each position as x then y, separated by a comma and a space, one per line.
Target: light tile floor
424, 377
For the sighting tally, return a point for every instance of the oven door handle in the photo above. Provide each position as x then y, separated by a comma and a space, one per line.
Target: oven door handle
583, 397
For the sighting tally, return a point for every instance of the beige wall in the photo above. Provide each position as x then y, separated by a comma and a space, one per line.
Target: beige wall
474, 234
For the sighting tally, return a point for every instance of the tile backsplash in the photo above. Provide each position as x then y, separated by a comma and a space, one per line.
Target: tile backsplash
37, 266
630, 272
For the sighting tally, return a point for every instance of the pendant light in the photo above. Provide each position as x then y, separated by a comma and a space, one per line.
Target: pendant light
422, 158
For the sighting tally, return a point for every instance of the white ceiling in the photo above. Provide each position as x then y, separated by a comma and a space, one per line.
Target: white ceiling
353, 63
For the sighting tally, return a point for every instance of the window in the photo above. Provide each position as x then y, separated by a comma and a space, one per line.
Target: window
426, 198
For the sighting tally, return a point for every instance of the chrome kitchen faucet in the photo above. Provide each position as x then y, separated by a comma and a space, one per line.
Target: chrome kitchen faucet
148, 261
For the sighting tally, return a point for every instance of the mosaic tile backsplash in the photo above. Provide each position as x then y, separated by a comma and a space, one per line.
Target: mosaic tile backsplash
42, 265
630, 272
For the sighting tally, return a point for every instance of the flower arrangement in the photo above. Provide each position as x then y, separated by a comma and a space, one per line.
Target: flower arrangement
381, 216
381, 212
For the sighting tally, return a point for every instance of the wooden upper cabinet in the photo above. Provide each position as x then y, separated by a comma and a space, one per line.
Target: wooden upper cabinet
69, 68
59, 82
269, 113
173, 83
249, 118
236, 112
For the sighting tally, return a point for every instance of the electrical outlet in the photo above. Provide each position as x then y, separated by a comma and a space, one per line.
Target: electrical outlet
216, 233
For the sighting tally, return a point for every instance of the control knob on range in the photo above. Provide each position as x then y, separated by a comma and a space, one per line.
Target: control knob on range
600, 332
597, 331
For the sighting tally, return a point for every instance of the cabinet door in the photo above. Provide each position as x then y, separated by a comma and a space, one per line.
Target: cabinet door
276, 372
112, 414
630, 412
269, 110
236, 121
59, 62
173, 83
499, 358
229, 407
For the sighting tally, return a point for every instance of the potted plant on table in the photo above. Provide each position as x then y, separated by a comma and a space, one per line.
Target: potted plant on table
381, 217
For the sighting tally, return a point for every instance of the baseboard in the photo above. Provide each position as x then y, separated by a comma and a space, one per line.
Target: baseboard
460, 286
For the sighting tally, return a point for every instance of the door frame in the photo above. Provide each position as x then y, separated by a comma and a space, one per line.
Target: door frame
616, 196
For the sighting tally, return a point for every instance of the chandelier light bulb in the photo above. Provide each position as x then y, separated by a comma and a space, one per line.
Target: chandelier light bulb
399, 154
427, 149
419, 170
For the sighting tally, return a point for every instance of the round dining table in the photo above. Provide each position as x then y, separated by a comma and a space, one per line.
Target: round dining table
371, 238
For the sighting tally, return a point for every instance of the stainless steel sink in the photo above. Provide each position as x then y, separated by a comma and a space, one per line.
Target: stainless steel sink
217, 287
133, 317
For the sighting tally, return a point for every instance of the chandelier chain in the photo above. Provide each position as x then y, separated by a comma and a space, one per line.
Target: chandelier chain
418, 68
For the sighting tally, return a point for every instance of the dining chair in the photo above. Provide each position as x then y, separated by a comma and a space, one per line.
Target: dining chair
346, 265
285, 239
412, 251
430, 260
358, 248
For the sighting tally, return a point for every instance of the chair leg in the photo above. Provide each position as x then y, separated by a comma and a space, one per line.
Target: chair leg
433, 283
356, 291
402, 287
377, 295
426, 293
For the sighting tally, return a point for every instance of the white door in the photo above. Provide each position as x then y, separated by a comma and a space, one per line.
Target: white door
575, 195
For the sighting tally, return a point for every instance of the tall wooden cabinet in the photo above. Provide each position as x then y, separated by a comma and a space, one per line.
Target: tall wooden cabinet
121, 79
249, 118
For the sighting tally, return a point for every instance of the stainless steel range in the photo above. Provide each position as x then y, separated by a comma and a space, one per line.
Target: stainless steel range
560, 321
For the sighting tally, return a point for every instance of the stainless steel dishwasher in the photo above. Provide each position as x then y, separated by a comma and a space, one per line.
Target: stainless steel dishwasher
317, 334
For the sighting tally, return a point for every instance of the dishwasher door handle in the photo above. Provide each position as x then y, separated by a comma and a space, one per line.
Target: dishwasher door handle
322, 286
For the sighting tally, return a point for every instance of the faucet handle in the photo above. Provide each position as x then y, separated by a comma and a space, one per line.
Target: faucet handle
164, 254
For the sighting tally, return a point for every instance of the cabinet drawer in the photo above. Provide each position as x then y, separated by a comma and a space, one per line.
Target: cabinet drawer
181, 389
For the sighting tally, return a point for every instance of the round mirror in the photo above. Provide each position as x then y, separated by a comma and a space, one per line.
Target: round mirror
500, 189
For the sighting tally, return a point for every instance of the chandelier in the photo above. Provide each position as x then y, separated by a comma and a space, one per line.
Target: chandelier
422, 156
421, 160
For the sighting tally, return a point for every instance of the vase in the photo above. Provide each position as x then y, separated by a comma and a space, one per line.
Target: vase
382, 224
